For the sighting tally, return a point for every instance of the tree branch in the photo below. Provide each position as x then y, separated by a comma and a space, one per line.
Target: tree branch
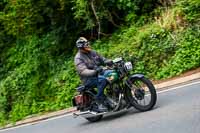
97, 18
111, 20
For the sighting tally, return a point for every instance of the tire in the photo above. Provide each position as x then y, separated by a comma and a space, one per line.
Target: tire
94, 118
134, 100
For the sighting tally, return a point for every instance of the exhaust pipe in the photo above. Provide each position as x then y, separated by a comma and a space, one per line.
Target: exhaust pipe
87, 114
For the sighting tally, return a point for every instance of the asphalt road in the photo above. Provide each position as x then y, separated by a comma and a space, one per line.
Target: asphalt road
176, 111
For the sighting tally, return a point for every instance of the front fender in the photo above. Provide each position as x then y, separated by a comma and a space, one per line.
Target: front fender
136, 76
133, 77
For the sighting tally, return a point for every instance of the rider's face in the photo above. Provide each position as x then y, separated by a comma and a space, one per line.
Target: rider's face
88, 48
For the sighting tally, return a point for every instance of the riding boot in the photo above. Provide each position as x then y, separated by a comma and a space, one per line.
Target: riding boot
101, 106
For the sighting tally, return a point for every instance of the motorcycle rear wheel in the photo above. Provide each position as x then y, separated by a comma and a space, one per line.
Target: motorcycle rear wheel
138, 92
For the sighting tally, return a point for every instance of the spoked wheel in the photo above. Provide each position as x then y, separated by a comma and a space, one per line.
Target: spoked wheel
142, 94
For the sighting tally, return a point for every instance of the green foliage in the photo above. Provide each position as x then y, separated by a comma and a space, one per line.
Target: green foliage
191, 8
111, 13
21, 18
186, 57
152, 45
38, 80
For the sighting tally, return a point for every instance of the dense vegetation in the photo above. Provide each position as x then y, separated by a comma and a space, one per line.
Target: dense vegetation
37, 39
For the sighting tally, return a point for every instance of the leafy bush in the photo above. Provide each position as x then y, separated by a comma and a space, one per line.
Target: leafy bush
191, 8
111, 14
186, 57
37, 80
152, 46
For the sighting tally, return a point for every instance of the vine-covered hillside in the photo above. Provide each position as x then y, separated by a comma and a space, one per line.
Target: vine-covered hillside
37, 45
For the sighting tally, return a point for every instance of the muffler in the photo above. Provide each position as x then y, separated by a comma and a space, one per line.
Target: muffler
87, 114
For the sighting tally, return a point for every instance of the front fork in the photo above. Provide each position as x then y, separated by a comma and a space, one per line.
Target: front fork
128, 93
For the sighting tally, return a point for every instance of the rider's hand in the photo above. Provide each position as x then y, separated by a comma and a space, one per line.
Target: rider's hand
109, 63
99, 70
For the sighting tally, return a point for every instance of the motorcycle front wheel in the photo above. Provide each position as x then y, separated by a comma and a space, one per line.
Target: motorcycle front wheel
141, 94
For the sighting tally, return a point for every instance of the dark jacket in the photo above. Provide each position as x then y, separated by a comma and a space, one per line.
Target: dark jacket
87, 63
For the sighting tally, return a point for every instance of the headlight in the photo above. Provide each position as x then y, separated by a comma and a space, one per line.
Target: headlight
128, 66
116, 60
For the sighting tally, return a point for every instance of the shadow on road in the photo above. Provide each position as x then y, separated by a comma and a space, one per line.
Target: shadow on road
113, 116
125, 113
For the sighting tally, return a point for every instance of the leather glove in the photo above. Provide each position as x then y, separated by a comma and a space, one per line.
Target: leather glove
109, 63
99, 70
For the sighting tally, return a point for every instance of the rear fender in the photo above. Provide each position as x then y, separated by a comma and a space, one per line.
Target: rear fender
74, 102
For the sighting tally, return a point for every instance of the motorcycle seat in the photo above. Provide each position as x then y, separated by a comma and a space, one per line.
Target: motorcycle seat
81, 88
84, 88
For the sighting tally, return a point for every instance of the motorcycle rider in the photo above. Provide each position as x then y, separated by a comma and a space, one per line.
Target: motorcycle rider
88, 65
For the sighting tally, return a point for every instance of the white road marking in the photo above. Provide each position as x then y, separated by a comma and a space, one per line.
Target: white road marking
174, 88
58, 117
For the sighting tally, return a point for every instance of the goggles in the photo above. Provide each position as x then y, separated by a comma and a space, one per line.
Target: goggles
87, 44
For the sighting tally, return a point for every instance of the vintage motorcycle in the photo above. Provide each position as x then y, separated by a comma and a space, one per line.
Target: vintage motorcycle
123, 91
